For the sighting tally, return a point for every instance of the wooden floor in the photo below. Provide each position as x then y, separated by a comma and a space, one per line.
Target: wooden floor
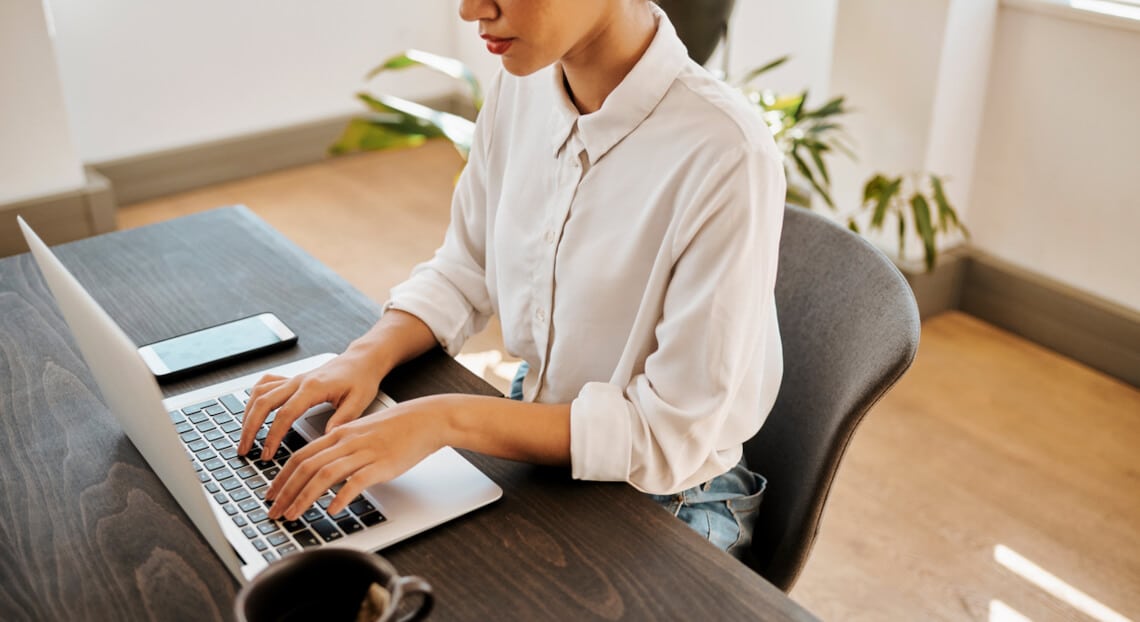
997, 481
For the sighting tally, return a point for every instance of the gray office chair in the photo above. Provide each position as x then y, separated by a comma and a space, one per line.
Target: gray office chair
850, 328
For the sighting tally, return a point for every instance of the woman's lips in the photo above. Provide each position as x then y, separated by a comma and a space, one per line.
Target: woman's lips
496, 45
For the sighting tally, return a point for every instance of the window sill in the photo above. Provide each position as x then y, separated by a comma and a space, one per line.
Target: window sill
1083, 11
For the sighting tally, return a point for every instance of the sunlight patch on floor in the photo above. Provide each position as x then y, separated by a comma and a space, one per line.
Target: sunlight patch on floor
1053, 585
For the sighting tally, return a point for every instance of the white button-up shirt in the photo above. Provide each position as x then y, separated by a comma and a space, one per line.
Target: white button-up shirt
630, 254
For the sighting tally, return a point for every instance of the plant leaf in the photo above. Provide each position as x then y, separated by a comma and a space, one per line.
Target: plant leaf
887, 191
852, 226
398, 120
925, 228
447, 66
458, 130
797, 198
367, 135
833, 107
814, 149
755, 73
806, 172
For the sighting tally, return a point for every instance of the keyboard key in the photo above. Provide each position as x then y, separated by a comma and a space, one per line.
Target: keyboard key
262, 433
229, 453
293, 525
229, 509
248, 532
349, 525
215, 409
267, 527
282, 454
176, 416
222, 443
229, 484
277, 539
214, 464
269, 556
287, 549
205, 454
212, 487
198, 445
189, 410
260, 544
231, 426
220, 497
240, 494
206, 426
213, 435
339, 515
264, 464
312, 515
327, 530
223, 419
189, 437
197, 418
361, 506
254, 483
293, 440
258, 515
260, 493
250, 505
240, 521
306, 538
271, 473
183, 427
203, 477
232, 404
246, 472
372, 518
325, 501
236, 436
223, 474
237, 463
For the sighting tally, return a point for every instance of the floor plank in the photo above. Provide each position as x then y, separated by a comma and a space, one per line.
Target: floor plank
989, 441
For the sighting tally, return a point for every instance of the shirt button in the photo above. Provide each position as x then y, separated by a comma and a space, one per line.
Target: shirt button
549, 237
540, 315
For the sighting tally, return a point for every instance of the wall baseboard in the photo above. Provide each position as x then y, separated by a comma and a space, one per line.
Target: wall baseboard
62, 216
1079, 325
151, 175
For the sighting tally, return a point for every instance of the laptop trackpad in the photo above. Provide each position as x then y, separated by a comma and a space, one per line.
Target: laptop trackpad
311, 425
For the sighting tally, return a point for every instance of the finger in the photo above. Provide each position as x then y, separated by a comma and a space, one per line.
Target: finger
354, 485
313, 480
348, 410
298, 404
258, 408
303, 456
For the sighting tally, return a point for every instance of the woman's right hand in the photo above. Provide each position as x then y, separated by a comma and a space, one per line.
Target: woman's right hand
347, 382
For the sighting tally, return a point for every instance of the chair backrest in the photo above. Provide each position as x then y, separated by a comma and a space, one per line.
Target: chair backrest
850, 327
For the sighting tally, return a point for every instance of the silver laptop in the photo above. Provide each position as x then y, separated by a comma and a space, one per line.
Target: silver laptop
222, 492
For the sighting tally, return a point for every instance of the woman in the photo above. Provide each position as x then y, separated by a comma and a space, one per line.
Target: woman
620, 212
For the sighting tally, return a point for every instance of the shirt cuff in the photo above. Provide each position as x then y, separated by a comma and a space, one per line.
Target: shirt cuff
429, 297
600, 438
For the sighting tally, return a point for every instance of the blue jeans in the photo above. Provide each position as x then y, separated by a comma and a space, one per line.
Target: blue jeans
723, 510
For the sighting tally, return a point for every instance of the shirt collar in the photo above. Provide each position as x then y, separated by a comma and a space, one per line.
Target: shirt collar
630, 103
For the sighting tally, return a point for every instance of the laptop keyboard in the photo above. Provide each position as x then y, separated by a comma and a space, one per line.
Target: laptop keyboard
211, 431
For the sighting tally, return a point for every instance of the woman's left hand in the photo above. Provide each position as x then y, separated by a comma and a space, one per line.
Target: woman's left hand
375, 448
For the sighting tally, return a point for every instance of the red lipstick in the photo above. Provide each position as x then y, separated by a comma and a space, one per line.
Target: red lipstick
496, 45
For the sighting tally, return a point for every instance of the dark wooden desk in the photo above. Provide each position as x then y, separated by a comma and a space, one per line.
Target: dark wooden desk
88, 532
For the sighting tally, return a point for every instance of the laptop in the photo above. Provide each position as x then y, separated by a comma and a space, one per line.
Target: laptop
190, 442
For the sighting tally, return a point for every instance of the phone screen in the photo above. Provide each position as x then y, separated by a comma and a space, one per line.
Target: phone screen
215, 343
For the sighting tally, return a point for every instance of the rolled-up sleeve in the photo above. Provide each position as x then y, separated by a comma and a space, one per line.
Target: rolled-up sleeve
449, 291
708, 384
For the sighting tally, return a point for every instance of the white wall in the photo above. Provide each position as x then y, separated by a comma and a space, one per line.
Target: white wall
37, 156
1057, 181
146, 76
763, 30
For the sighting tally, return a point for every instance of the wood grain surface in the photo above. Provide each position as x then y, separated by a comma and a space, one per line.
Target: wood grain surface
88, 532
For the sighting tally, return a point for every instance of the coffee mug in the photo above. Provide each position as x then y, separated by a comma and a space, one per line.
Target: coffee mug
331, 584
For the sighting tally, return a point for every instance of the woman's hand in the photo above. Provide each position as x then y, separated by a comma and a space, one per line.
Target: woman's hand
372, 449
348, 382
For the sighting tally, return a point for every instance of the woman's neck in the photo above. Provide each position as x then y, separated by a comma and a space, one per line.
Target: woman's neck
601, 61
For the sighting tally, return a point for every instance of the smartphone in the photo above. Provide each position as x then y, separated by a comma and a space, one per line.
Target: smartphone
208, 348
